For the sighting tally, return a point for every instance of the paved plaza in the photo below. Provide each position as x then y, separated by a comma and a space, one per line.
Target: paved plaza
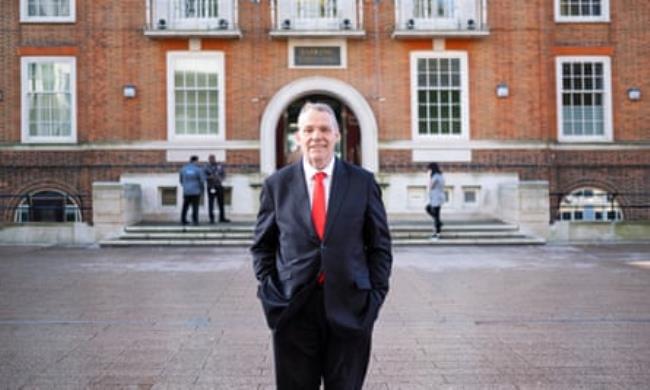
543, 317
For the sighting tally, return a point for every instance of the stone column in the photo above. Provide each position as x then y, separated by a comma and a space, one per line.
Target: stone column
115, 205
526, 204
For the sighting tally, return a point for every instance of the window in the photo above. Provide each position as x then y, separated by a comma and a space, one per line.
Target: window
470, 195
49, 99
47, 206
47, 11
430, 9
584, 99
582, 11
200, 9
590, 204
439, 95
195, 89
168, 196
316, 9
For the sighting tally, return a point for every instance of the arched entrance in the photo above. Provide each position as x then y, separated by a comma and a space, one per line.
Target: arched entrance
347, 149
330, 88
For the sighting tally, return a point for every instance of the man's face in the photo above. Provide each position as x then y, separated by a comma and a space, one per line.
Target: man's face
317, 138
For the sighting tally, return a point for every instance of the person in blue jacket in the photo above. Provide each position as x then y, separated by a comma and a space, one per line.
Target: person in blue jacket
192, 178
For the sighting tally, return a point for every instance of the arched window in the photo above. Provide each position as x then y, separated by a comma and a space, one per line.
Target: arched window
590, 204
47, 206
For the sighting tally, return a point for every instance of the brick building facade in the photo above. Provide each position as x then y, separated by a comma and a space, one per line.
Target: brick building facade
497, 91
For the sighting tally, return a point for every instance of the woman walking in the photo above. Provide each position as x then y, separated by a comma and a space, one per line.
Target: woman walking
436, 190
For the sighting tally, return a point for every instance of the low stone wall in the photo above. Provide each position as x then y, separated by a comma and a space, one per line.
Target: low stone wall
115, 205
575, 232
41, 233
525, 204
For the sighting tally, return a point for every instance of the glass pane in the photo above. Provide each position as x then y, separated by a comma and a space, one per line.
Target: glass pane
422, 127
190, 79
213, 97
422, 80
179, 78
202, 112
202, 97
422, 111
455, 65
455, 111
444, 80
212, 80
435, 127
456, 127
422, 65
202, 80
434, 80
180, 126
433, 112
444, 65
202, 127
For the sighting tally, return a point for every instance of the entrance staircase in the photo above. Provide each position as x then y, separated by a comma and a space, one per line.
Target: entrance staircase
484, 231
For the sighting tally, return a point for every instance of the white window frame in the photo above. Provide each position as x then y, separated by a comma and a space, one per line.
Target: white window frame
603, 18
218, 58
25, 18
24, 119
464, 99
607, 99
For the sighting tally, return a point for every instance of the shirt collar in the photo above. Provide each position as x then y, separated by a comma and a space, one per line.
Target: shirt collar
311, 171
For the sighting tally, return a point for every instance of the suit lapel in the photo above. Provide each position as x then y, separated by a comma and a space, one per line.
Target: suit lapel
338, 190
302, 206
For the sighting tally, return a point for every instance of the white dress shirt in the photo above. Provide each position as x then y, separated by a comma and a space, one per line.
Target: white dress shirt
309, 179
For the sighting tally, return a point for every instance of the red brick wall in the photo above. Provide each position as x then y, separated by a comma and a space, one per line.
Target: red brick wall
112, 50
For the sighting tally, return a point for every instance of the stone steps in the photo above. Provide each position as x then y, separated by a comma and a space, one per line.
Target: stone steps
478, 232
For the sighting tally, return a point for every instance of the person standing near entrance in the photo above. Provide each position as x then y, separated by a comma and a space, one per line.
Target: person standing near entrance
215, 175
436, 191
322, 257
191, 178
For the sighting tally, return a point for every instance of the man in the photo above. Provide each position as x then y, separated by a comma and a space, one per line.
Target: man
191, 178
322, 256
215, 174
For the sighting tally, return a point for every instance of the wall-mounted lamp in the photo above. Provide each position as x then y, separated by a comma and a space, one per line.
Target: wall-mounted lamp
129, 91
347, 24
410, 24
162, 24
502, 90
471, 24
286, 24
223, 24
634, 94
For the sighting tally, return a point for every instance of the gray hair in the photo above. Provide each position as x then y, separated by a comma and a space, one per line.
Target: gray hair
320, 107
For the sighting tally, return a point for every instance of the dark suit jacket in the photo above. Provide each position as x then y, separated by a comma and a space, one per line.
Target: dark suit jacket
355, 253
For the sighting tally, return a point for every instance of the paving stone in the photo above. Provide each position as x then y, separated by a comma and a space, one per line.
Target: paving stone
565, 317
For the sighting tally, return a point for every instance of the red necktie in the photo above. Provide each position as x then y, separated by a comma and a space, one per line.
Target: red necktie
318, 213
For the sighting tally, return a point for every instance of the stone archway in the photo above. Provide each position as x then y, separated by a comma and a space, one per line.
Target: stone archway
314, 85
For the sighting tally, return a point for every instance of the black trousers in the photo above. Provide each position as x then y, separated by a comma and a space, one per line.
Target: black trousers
191, 200
218, 194
434, 212
306, 351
